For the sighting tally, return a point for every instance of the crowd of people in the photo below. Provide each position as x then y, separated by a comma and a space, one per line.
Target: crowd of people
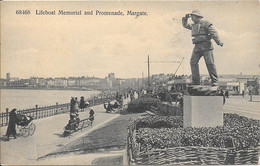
117, 104
76, 105
120, 96
74, 120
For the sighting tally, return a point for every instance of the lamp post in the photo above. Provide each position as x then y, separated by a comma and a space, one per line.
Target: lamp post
149, 85
250, 88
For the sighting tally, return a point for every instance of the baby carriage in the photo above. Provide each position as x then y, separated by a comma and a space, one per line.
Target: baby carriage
25, 125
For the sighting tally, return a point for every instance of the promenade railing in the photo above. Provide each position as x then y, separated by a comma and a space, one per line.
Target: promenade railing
47, 111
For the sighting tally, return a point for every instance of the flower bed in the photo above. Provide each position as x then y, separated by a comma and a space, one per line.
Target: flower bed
234, 120
237, 130
234, 143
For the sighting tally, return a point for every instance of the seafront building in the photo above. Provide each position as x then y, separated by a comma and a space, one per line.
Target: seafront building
236, 84
109, 82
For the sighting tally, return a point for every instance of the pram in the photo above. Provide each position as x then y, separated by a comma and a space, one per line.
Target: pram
25, 125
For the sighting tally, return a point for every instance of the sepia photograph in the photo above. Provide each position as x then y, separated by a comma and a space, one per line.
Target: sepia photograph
151, 82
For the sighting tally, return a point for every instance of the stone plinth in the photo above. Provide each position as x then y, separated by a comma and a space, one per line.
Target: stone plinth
202, 111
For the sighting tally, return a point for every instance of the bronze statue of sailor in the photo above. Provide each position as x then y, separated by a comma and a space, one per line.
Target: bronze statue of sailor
202, 32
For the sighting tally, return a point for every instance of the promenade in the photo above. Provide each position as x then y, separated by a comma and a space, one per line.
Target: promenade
47, 138
234, 104
242, 106
104, 146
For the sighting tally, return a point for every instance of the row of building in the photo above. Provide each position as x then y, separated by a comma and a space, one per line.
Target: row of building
236, 83
88, 82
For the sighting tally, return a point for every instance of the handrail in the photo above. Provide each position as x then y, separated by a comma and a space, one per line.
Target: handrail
42, 112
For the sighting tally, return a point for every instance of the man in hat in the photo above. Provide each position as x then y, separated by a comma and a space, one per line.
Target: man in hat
202, 32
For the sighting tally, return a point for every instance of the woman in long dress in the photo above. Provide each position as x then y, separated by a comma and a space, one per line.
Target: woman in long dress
11, 130
82, 103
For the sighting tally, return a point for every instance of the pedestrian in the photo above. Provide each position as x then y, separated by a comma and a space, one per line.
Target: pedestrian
91, 115
178, 99
121, 101
82, 104
109, 107
132, 97
227, 94
72, 103
223, 95
117, 96
243, 93
203, 32
76, 105
168, 98
181, 102
250, 94
12, 124
74, 122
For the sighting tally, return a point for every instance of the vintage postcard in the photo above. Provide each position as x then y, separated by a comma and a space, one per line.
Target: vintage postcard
130, 82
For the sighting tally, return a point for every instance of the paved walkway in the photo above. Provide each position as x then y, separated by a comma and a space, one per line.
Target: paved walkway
106, 144
82, 159
242, 106
47, 138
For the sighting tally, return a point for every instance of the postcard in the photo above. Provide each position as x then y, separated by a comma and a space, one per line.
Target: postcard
129, 82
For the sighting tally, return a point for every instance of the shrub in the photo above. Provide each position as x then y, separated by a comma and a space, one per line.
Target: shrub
159, 122
142, 104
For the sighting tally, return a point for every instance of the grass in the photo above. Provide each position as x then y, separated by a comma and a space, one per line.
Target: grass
115, 160
110, 137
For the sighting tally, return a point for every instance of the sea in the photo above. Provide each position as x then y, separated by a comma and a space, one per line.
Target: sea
24, 98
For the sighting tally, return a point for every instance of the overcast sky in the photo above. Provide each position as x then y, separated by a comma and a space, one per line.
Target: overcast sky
64, 46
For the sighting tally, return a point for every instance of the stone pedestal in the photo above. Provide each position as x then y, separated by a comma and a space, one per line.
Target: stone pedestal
202, 111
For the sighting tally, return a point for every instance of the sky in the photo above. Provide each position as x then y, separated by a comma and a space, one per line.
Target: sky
95, 45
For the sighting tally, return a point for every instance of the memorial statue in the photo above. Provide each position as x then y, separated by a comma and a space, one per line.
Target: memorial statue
202, 32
